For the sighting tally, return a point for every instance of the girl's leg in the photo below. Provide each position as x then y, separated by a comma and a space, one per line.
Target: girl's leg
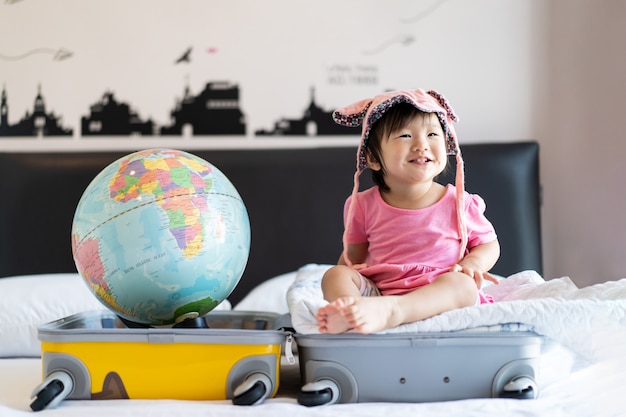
341, 281
337, 283
372, 314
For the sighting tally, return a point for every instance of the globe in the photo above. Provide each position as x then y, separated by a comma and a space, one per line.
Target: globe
160, 235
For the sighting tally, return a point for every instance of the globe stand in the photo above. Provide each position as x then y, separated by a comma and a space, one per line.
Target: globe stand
192, 323
132, 324
188, 323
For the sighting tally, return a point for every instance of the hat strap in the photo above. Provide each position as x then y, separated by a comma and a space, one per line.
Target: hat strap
459, 183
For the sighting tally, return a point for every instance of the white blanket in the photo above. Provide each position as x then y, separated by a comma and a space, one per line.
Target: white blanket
576, 318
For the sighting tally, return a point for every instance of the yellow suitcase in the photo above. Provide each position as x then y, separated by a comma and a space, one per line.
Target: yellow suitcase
94, 355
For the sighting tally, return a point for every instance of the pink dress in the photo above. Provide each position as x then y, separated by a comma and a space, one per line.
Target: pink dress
410, 248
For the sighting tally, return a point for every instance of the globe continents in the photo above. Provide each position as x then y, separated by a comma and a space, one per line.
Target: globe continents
161, 235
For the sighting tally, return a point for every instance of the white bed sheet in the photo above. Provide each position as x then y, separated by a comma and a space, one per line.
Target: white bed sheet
596, 390
568, 386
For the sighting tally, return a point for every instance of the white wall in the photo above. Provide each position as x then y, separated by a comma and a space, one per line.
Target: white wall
476, 52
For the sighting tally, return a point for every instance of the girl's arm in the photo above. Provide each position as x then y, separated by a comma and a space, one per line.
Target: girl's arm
357, 252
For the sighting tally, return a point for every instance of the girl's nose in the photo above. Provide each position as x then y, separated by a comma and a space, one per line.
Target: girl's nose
420, 143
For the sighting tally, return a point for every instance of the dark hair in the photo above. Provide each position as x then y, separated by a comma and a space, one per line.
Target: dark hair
394, 119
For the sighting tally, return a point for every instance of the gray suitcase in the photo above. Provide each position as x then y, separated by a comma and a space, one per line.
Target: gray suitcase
348, 368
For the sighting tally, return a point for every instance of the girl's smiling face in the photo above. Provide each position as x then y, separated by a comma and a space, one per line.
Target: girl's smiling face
413, 153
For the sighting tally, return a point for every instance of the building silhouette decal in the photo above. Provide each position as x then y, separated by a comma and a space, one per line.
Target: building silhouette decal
215, 111
314, 122
108, 117
37, 123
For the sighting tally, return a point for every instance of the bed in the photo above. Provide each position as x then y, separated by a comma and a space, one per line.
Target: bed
294, 199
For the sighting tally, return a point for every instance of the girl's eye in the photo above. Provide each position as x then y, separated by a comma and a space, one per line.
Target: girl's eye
402, 136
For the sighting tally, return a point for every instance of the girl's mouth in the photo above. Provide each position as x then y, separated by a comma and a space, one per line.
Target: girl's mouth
420, 160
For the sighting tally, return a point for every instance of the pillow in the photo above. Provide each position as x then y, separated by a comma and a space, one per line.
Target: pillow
270, 296
31, 300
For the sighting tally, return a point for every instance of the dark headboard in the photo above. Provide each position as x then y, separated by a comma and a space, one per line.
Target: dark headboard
294, 199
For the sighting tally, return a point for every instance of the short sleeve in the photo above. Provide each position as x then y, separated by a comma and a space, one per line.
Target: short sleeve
479, 228
355, 227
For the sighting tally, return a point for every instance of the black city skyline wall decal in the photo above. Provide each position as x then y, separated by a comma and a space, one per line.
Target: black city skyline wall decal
213, 111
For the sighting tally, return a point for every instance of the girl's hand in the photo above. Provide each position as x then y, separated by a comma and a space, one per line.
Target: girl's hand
474, 272
478, 261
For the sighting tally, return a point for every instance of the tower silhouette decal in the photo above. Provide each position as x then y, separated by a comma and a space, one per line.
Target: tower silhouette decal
37, 123
314, 122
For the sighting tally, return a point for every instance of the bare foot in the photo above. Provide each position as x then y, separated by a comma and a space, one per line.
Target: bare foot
330, 318
363, 314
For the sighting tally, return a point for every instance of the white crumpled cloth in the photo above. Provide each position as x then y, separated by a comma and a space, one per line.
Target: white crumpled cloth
590, 321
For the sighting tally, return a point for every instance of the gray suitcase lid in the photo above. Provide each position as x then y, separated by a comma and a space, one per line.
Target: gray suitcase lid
464, 338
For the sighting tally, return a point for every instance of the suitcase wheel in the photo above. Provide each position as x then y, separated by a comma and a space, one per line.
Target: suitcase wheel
318, 393
253, 390
522, 388
52, 391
